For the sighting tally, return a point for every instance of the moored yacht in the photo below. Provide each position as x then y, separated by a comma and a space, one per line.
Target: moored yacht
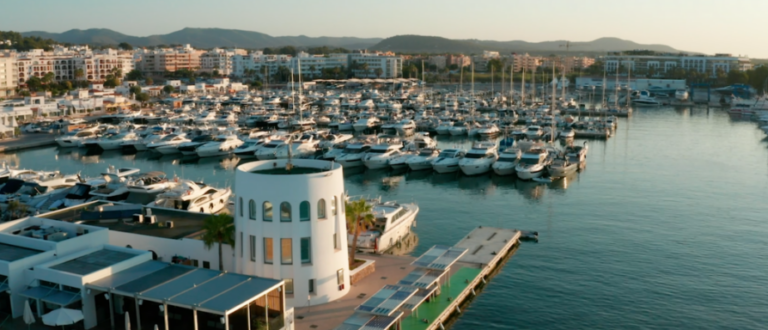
393, 222
423, 161
479, 159
507, 162
168, 144
448, 160
220, 146
190, 148
193, 197
532, 163
380, 154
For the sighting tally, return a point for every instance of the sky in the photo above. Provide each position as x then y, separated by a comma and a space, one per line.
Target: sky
708, 26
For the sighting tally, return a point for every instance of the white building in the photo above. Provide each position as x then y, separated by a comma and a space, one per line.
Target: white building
8, 74
295, 230
658, 64
64, 63
219, 60
391, 66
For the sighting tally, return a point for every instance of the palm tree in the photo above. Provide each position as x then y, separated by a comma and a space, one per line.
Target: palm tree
378, 72
219, 229
359, 219
79, 74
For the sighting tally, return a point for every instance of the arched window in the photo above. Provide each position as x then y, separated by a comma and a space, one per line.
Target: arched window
252, 210
334, 205
304, 211
321, 209
267, 211
241, 206
285, 211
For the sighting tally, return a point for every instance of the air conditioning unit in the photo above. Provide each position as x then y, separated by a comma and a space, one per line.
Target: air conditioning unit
151, 219
169, 224
139, 218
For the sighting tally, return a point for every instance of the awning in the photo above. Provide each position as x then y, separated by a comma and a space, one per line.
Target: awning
37, 292
360, 321
51, 295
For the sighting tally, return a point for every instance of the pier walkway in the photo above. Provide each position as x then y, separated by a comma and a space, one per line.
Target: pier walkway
26, 141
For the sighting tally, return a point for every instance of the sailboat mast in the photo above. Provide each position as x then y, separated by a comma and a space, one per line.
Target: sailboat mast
301, 114
604, 83
522, 88
629, 90
472, 95
552, 107
533, 86
616, 88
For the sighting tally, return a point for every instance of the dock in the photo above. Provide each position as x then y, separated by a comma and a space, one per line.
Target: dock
424, 293
27, 141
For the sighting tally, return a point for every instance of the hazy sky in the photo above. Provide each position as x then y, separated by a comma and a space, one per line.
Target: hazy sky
709, 26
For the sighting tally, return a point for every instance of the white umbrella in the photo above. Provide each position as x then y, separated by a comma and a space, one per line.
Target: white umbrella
63, 316
29, 318
156, 328
127, 321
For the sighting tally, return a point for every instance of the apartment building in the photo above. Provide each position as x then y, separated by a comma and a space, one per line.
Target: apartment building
312, 65
258, 62
8, 74
658, 64
391, 66
219, 60
157, 61
570, 63
65, 62
526, 61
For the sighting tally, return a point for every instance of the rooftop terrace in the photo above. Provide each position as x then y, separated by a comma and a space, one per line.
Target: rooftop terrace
93, 262
12, 253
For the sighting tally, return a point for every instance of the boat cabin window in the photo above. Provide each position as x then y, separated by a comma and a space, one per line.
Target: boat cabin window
529, 161
426, 152
266, 210
252, 210
378, 151
448, 154
304, 211
240, 204
474, 155
285, 212
321, 209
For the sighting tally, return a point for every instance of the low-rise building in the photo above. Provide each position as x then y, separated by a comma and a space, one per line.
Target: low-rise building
657, 64
8, 74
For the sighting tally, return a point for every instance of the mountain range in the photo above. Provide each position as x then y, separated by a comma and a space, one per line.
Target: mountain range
212, 37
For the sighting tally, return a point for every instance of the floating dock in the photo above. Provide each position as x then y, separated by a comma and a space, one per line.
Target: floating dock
27, 141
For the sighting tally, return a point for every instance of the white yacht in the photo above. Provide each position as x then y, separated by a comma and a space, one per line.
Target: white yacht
331, 140
393, 222
269, 149
532, 163
507, 161
423, 161
71, 139
252, 144
479, 159
448, 160
153, 182
399, 159
444, 128
644, 98
168, 145
534, 132
193, 197
486, 131
110, 186
302, 147
405, 127
353, 154
459, 129
365, 123
220, 146
562, 167
116, 141
190, 148
577, 154
380, 154
421, 141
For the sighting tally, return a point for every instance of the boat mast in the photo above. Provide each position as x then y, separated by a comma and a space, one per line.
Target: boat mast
461, 78
522, 88
511, 83
629, 90
552, 107
604, 82
616, 88
533, 86
472, 95
301, 117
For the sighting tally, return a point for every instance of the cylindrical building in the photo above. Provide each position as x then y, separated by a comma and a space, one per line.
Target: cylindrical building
290, 225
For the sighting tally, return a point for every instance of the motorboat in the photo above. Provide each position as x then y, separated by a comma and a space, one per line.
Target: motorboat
193, 197
392, 223
71, 139
116, 141
302, 147
534, 132
459, 129
479, 159
353, 154
331, 140
219, 146
561, 166
508, 160
110, 186
486, 130
269, 149
252, 144
168, 144
422, 140
366, 123
644, 98
399, 159
448, 160
444, 128
567, 133
532, 163
405, 127
379, 155
190, 148
153, 182
577, 154
423, 161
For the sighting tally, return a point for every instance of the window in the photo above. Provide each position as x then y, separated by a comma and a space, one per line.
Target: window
268, 250
267, 211
334, 205
285, 212
306, 250
206, 265
321, 209
304, 211
336, 241
241, 244
253, 248
286, 251
340, 276
288, 285
312, 286
195, 263
252, 210
241, 206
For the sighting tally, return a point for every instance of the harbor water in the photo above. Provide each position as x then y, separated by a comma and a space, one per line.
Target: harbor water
664, 229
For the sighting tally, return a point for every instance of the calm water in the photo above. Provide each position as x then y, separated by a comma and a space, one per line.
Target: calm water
665, 229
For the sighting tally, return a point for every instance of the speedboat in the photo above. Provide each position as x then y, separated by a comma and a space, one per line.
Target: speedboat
111, 186
444, 128
567, 133
153, 182
458, 129
71, 139
448, 160
644, 98
168, 144
219, 146
269, 149
423, 161
561, 166
479, 159
363, 124
399, 159
393, 222
379, 155
190, 148
534, 132
577, 154
486, 131
116, 141
353, 154
507, 161
405, 127
193, 197
251, 145
421, 141
532, 163
331, 140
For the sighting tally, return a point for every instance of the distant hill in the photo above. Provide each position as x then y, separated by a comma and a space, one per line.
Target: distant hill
203, 38
427, 44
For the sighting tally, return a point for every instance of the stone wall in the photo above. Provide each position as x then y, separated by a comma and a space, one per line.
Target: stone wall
362, 271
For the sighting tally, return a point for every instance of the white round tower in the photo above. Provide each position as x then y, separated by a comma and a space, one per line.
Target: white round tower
290, 225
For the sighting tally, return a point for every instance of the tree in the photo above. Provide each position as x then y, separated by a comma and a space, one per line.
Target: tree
134, 75
125, 46
359, 219
219, 229
135, 90
364, 67
168, 89
34, 83
149, 81
79, 74
142, 97
737, 77
48, 77
378, 72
